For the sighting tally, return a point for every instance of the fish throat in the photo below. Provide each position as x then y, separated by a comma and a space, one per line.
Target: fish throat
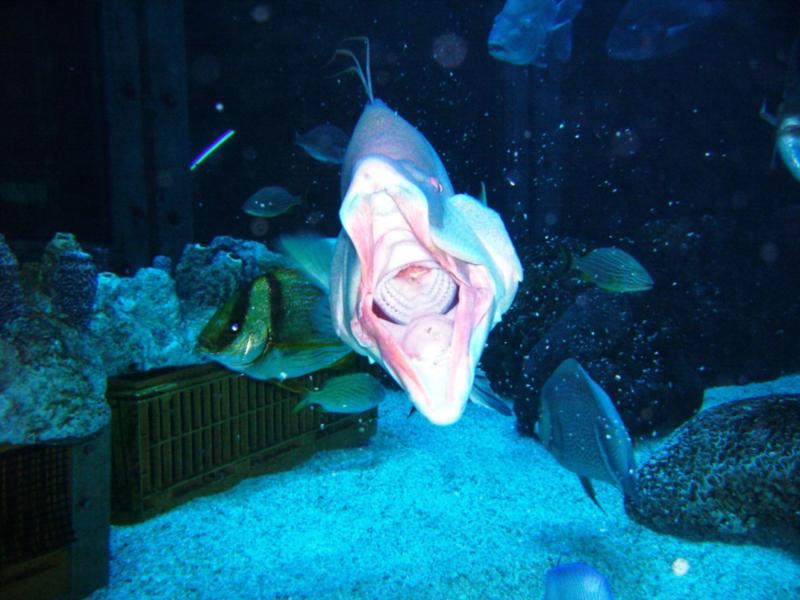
413, 296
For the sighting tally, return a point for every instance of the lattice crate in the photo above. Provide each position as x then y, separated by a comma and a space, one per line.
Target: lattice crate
192, 431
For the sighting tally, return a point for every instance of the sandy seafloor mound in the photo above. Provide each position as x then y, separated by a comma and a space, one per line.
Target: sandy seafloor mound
467, 511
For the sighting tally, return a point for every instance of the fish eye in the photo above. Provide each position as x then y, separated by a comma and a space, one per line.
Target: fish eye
234, 327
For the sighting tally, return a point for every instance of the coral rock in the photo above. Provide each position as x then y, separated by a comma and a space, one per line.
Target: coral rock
12, 300
732, 473
52, 383
69, 277
139, 325
206, 276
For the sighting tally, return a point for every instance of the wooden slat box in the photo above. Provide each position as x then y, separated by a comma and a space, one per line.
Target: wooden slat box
181, 433
54, 518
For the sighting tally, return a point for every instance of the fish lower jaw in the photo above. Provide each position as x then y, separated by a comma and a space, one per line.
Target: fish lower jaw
437, 400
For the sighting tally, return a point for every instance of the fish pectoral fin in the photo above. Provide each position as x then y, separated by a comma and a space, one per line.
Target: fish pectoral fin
586, 483
483, 394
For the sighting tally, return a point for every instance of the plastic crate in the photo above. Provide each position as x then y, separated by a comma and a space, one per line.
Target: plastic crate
54, 519
180, 433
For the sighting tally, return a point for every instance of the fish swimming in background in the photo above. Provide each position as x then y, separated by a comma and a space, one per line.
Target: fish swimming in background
274, 327
420, 275
613, 270
270, 201
648, 29
580, 427
326, 143
787, 122
530, 31
353, 393
576, 581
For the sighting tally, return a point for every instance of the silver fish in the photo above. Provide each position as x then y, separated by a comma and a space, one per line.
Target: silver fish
580, 427
530, 31
326, 143
353, 393
270, 201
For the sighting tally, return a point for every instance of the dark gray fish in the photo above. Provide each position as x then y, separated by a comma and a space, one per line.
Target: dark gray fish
580, 427
787, 122
613, 270
648, 29
530, 31
326, 143
576, 581
270, 201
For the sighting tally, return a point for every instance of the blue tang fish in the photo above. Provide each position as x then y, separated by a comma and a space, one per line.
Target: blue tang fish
655, 28
576, 581
419, 275
528, 31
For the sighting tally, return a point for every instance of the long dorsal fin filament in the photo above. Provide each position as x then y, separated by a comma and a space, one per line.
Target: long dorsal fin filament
363, 72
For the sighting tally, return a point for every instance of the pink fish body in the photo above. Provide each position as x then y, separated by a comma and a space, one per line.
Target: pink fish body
420, 275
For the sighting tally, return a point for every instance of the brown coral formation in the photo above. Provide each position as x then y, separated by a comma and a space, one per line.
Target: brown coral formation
731, 473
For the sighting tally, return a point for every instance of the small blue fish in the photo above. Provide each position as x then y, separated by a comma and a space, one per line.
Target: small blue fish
528, 31
326, 143
270, 201
576, 581
787, 121
655, 28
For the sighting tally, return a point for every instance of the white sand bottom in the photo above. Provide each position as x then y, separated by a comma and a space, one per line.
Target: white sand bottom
467, 511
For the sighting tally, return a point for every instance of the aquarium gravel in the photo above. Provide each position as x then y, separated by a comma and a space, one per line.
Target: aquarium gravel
468, 511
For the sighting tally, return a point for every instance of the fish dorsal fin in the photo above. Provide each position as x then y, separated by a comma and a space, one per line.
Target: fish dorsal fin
363, 72
311, 254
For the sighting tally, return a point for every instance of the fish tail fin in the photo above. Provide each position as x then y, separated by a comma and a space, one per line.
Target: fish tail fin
764, 113
586, 483
767, 116
567, 260
305, 402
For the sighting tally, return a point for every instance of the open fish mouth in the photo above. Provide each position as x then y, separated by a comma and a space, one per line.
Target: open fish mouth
415, 299
417, 306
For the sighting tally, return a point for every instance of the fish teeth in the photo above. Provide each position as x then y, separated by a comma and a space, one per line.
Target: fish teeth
415, 290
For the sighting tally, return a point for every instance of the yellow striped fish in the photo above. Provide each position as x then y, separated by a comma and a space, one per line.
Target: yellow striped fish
613, 270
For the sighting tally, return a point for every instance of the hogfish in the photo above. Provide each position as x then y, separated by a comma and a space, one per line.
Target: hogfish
420, 274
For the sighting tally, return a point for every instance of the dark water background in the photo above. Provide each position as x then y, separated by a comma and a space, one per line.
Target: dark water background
667, 158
